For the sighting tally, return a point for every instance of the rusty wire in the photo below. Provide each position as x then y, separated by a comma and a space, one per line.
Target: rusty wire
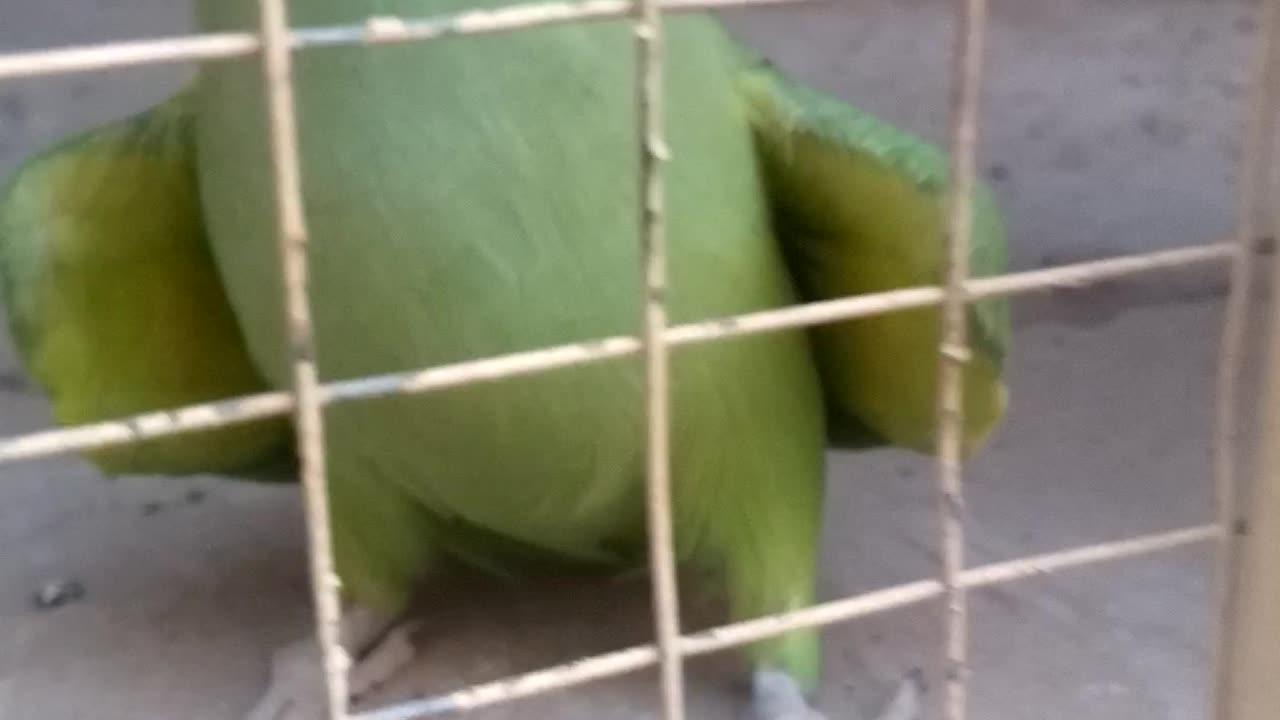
380, 30
308, 397
631, 659
653, 149
953, 349
291, 235
205, 416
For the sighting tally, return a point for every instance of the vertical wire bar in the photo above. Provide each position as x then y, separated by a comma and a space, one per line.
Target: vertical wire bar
291, 230
953, 355
654, 152
1252, 692
1257, 155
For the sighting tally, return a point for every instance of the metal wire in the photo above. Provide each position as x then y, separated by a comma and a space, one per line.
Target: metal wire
382, 30
1252, 193
308, 397
1252, 692
291, 231
953, 349
653, 340
725, 637
204, 416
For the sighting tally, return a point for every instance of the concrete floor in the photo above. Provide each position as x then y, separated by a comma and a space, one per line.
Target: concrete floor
1111, 128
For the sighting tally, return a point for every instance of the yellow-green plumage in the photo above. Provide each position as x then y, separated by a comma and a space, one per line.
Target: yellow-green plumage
477, 196
878, 372
113, 300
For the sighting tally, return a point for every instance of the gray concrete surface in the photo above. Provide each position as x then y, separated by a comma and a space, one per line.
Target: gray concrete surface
1111, 127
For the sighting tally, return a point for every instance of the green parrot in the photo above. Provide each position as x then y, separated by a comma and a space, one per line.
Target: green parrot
474, 196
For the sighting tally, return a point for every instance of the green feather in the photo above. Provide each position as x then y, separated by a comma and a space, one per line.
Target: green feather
859, 207
477, 196
114, 304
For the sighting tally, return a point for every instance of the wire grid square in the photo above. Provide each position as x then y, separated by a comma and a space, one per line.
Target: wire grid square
276, 42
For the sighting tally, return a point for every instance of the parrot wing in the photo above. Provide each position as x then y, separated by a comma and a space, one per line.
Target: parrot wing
859, 207
115, 304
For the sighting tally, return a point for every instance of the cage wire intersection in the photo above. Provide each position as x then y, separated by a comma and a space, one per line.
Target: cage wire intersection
275, 42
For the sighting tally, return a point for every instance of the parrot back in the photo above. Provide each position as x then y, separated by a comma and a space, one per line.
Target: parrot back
474, 196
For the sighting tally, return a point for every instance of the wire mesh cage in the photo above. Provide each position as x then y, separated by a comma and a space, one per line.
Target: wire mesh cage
1246, 649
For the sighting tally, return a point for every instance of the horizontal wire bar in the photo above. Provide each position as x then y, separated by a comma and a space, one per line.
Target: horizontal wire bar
982, 576
262, 405
1048, 563
86, 58
391, 30
725, 637
538, 682
374, 31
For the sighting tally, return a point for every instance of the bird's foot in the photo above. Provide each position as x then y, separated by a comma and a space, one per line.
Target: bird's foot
297, 689
907, 702
776, 696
